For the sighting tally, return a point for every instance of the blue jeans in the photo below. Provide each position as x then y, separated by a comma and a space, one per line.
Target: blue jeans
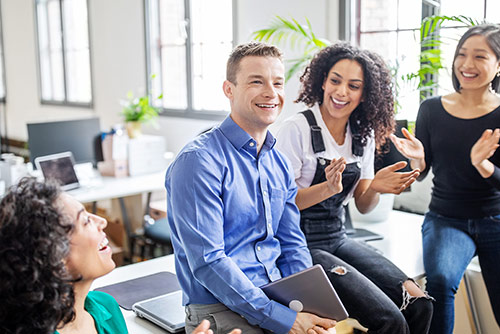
449, 246
371, 287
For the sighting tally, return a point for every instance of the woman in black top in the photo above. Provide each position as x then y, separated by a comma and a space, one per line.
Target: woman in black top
457, 135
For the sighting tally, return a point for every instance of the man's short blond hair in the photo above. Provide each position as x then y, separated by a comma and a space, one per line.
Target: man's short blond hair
257, 49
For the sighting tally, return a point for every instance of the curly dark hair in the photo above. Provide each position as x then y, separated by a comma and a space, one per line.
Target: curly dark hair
36, 290
376, 112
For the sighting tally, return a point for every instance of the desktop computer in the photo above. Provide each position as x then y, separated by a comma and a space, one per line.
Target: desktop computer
80, 137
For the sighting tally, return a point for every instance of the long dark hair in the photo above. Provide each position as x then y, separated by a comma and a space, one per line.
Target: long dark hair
36, 292
376, 113
492, 34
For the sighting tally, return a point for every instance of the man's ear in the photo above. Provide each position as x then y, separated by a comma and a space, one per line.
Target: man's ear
227, 87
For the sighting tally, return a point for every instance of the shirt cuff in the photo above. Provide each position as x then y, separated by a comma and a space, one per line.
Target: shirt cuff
281, 319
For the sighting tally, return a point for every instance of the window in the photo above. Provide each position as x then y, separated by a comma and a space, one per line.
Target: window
2, 64
188, 42
64, 52
392, 28
488, 10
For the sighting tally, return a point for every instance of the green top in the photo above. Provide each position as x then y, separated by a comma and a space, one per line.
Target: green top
108, 317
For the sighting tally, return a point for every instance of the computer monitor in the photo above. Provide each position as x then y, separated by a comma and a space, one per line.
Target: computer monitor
81, 137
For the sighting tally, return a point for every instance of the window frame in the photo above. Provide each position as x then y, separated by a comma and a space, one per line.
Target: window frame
64, 102
189, 112
2, 63
429, 8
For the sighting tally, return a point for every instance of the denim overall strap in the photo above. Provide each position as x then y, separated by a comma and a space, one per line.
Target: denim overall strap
316, 138
325, 220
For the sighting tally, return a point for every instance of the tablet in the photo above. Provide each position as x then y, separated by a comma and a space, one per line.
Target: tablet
165, 311
59, 167
309, 291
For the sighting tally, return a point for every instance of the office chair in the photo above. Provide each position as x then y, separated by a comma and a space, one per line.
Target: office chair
152, 234
157, 232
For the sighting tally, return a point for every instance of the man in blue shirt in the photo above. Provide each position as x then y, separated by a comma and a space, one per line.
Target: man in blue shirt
231, 208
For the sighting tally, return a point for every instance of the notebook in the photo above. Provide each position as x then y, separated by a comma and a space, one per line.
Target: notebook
310, 291
165, 311
59, 167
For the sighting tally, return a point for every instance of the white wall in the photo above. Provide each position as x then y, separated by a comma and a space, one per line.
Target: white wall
118, 60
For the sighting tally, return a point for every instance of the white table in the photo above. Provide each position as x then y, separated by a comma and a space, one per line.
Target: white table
135, 324
118, 187
402, 244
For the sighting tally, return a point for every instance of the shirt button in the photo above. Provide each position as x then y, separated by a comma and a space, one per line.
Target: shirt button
258, 248
265, 193
252, 144
269, 225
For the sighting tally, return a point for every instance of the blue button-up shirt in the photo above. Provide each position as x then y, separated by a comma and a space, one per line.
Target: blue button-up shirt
235, 225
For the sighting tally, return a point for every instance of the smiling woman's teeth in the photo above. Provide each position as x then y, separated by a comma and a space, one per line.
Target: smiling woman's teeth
469, 75
338, 102
266, 105
103, 244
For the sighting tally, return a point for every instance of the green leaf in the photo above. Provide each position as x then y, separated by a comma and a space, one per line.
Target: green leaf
297, 36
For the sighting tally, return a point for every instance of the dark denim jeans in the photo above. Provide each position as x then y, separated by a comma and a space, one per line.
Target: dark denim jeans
449, 246
371, 287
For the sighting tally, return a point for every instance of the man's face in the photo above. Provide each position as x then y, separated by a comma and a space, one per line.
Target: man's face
257, 96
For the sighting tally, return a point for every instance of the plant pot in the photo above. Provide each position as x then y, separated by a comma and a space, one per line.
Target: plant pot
134, 129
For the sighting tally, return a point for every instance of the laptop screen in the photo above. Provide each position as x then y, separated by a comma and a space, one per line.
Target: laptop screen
59, 167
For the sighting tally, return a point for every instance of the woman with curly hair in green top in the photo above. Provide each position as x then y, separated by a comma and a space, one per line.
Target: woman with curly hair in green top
51, 250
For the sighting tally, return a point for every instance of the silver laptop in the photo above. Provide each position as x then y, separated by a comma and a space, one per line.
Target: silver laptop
165, 311
59, 167
308, 291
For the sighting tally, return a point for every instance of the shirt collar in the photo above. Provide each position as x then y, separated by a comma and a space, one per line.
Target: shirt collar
239, 138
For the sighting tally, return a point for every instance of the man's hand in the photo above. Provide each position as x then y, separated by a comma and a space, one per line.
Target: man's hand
307, 323
204, 328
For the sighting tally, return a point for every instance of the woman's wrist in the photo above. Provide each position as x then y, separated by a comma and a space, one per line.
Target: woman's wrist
418, 163
485, 168
328, 190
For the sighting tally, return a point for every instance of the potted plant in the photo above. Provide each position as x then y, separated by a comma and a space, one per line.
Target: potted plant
138, 110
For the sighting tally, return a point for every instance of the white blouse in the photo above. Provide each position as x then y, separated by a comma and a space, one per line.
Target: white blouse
294, 140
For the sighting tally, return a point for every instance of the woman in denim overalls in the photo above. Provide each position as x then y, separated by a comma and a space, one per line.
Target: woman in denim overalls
331, 147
